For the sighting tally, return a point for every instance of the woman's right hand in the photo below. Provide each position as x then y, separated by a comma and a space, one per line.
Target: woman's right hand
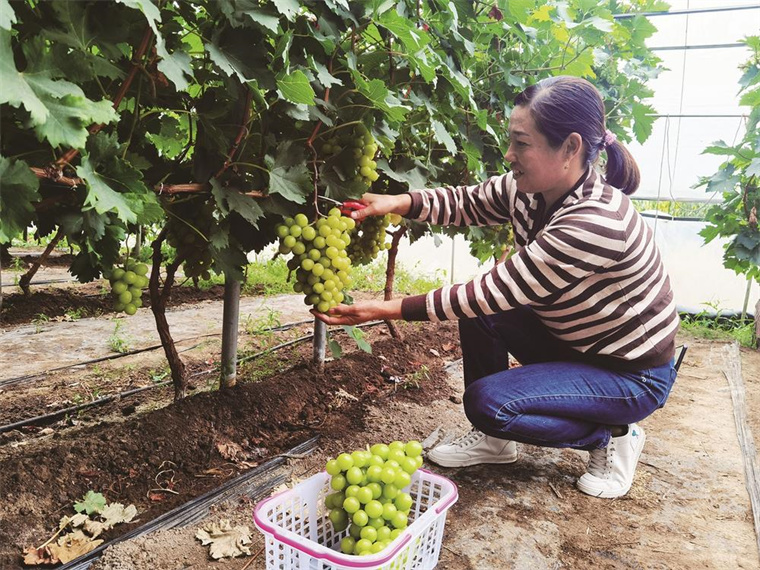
381, 204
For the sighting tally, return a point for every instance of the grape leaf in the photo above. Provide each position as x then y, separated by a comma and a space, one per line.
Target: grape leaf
7, 15
643, 121
231, 200
288, 8
335, 349
73, 545
59, 110
414, 176
174, 65
404, 29
443, 137
19, 192
226, 541
323, 74
92, 502
295, 87
720, 148
358, 336
101, 196
378, 94
754, 168
288, 174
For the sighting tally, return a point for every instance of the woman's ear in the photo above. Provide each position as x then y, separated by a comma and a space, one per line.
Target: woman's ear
573, 146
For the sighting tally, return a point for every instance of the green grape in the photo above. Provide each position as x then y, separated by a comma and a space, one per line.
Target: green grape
376, 511
318, 251
368, 239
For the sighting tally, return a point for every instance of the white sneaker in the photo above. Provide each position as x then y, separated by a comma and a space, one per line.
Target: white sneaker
610, 470
473, 448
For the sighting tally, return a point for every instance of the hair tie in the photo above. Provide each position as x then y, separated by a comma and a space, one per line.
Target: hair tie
609, 138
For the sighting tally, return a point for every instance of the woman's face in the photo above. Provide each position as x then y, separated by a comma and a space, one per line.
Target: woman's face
536, 166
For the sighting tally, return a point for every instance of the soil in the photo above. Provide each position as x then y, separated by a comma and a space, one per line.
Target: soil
689, 495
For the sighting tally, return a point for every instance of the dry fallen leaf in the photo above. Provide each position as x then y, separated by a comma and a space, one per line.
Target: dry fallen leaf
230, 450
434, 352
73, 545
225, 541
36, 556
116, 513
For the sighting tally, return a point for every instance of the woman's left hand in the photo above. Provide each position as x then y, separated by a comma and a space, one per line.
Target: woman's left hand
361, 312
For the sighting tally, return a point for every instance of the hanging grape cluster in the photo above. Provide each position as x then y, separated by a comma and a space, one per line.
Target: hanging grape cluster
368, 239
127, 283
188, 229
359, 164
322, 266
370, 494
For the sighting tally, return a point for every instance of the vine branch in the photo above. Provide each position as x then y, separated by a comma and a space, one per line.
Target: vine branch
69, 155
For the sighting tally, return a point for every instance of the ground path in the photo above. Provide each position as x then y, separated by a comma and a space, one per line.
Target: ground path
689, 506
688, 509
35, 348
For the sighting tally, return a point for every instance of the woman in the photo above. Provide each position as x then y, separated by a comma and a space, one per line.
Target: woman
584, 304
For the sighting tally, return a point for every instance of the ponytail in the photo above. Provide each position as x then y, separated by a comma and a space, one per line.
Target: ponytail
621, 170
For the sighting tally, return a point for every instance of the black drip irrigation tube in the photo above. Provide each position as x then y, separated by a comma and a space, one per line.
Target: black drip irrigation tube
55, 416
47, 282
28, 377
256, 484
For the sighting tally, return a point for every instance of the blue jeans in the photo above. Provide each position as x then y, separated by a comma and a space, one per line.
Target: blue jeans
554, 399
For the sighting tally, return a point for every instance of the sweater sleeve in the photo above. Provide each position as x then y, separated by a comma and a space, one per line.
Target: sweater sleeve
568, 250
480, 205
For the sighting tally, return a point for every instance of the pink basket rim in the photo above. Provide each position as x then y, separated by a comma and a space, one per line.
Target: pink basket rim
345, 559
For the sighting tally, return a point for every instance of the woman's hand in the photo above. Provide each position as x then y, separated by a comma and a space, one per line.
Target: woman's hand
381, 204
361, 312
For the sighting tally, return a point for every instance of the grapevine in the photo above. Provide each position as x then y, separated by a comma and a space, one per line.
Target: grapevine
127, 283
189, 227
370, 494
322, 266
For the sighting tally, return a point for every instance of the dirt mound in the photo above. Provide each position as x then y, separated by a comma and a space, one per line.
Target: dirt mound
86, 300
191, 439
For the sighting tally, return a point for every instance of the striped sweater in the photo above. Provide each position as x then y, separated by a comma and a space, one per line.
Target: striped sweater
588, 267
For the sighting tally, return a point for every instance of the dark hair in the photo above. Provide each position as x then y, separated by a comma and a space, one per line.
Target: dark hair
563, 105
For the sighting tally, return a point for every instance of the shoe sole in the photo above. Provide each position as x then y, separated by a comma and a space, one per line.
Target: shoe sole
470, 462
612, 494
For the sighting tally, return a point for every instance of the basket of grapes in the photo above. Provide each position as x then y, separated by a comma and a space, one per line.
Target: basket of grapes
371, 509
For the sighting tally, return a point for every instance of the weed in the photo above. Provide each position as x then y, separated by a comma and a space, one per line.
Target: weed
267, 278
711, 324
371, 277
157, 376
263, 325
415, 379
74, 314
39, 321
118, 342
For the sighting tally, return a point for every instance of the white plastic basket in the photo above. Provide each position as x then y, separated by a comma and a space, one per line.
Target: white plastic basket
300, 536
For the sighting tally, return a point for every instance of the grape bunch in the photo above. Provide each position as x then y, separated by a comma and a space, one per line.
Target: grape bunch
188, 229
369, 494
359, 161
322, 266
127, 283
368, 239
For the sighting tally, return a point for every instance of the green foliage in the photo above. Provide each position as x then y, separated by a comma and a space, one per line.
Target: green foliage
407, 281
714, 326
92, 502
673, 208
738, 180
238, 98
